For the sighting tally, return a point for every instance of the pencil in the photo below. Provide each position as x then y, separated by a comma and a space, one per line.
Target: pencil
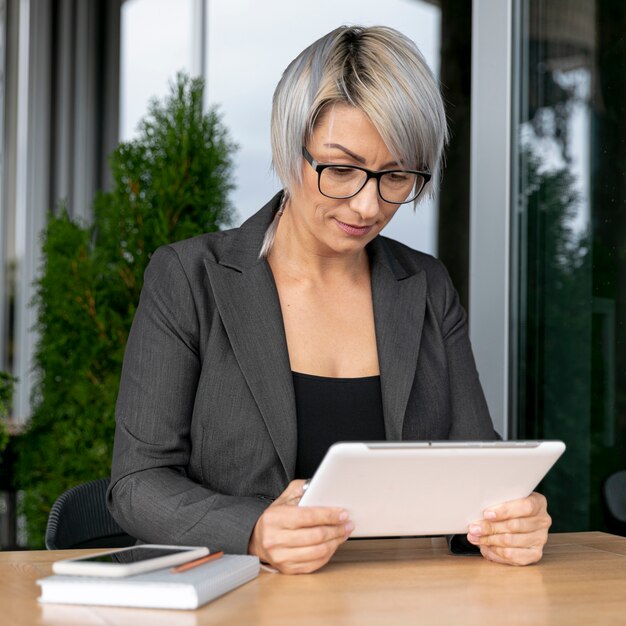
201, 561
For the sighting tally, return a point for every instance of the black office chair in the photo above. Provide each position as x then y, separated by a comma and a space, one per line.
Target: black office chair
80, 519
614, 495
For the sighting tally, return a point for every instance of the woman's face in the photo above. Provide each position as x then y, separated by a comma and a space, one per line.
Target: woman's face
343, 136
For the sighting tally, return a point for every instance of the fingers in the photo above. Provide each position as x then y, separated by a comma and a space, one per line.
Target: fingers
513, 532
293, 528
291, 517
317, 535
297, 539
535, 504
298, 551
517, 525
305, 559
505, 540
513, 556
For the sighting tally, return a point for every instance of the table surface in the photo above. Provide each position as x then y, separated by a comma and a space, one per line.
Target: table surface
581, 580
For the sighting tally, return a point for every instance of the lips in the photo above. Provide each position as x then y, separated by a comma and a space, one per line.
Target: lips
355, 231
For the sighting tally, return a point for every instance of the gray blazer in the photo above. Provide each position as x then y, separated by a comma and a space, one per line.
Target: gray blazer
206, 424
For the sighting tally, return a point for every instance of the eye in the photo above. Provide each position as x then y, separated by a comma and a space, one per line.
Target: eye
342, 172
398, 177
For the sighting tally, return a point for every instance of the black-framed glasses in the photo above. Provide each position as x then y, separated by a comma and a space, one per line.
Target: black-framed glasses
345, 181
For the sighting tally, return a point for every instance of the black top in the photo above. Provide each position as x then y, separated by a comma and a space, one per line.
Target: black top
334, 409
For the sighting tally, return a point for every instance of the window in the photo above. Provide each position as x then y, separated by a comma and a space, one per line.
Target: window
571, 227
157, 40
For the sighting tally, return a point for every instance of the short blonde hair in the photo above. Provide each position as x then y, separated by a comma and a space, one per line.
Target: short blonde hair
379, 71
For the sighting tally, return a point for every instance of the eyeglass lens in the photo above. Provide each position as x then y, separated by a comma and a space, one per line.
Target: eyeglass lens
395, 187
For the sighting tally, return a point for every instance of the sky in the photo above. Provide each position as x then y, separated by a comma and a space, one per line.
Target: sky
249, 44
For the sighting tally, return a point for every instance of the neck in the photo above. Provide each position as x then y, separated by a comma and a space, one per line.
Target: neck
296, 252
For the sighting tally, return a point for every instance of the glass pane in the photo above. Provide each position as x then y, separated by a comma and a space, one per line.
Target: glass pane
157, 41
570, 229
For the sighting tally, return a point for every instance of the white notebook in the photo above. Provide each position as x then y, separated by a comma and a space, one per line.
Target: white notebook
159, 590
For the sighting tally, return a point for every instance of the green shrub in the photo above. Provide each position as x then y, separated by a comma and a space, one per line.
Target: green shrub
6, 396
170, 183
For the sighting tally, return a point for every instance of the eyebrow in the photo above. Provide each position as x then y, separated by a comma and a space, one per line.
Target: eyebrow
354, 156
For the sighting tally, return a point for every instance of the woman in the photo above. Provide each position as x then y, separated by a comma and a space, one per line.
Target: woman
254, 349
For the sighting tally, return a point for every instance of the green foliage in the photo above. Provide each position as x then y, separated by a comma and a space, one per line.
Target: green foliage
169, 184
6, 396
558, 316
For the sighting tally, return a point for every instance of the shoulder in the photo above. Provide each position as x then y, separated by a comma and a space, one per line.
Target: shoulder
442, 299
186, 257
195, 250
236, 248
413, 262
176, 282
413, 259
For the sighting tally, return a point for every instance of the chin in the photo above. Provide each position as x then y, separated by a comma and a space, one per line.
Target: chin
347, 245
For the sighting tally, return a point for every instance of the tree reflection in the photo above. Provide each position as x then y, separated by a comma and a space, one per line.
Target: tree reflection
558, 316
572, 241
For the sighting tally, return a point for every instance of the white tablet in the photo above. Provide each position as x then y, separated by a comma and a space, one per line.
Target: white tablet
426, 488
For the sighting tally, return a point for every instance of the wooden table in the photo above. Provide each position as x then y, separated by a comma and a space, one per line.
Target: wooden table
581, 580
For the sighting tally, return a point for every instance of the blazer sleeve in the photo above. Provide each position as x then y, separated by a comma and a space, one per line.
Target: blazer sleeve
150, 495
470, 413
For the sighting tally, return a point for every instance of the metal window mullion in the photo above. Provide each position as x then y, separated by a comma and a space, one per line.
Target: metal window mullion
20, 405
63, 105
199, 44
33, 176
84, 93
490, 200
519, 227
3, 209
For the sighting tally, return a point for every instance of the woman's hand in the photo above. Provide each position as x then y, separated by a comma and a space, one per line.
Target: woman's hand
298, 540
514, 532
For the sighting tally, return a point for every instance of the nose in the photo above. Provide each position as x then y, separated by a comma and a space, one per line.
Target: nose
366, 202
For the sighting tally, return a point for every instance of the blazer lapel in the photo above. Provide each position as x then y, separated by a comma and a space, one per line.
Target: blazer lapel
399, 299
246, 296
